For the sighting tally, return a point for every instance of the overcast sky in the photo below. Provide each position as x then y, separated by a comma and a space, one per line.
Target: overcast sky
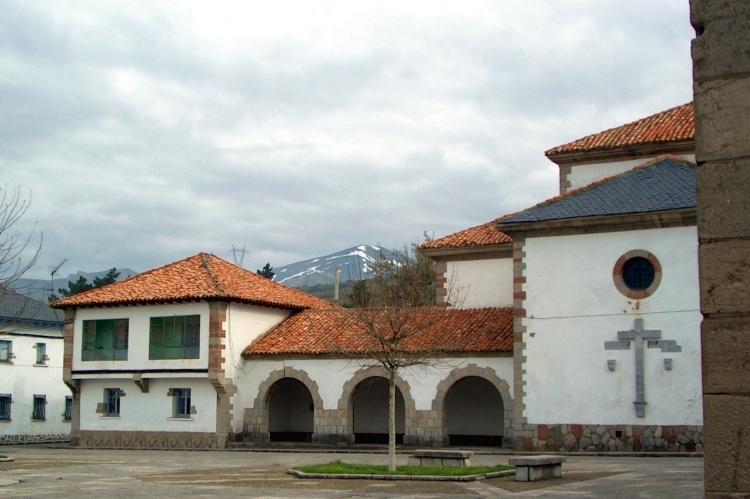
150, 131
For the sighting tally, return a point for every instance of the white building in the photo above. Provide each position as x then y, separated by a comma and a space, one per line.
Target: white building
35, 404
578, 328
605, 292
200, 351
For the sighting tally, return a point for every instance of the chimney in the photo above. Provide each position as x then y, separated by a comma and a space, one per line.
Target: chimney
336, 283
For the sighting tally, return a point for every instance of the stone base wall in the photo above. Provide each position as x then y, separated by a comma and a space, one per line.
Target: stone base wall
592, 438
30, 439
148, 440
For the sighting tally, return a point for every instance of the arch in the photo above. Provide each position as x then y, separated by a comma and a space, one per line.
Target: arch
261, 404
472, 370
291, 411
345, 401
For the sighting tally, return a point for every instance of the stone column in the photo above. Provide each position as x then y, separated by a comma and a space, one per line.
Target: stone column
73, 384
721, 72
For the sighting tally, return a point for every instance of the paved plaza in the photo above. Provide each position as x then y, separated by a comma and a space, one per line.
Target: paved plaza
61, 472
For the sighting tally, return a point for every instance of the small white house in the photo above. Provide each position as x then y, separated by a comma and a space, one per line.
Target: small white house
35, 404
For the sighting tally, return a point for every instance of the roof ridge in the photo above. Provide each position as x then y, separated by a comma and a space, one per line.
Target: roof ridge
597, 183
205, 261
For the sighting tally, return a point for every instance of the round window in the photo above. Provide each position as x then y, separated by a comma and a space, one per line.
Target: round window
637, 274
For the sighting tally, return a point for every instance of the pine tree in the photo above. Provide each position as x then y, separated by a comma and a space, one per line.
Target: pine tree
266, 271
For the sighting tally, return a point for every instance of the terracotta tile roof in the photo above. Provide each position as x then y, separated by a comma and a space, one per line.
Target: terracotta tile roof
481, 235
673, 125
340, 331
663, 183
200, 277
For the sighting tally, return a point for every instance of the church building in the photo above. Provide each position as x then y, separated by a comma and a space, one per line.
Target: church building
578, 329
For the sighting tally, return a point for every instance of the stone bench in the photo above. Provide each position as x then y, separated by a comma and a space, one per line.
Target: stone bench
447, 458
534, 468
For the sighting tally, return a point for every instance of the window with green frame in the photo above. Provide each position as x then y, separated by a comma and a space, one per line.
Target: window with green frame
105, 339
174, 337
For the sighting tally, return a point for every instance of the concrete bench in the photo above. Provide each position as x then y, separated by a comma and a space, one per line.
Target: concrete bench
447, 458
534, 468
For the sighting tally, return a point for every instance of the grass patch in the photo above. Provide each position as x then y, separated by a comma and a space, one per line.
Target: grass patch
339, 467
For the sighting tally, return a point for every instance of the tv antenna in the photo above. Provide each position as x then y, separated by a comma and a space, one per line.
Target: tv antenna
52, 272
238, 254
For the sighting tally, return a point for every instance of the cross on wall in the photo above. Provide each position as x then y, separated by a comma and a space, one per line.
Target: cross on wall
637, 336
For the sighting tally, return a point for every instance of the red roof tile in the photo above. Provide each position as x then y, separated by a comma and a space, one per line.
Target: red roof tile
200, 277
340, 331
673, 125
481, 235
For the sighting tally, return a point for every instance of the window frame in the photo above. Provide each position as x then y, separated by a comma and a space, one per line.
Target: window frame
181, 403
9, 356
90, 339
41, 361
6, 416
35, 416
622, 287
112, 398
68, 410
188, 346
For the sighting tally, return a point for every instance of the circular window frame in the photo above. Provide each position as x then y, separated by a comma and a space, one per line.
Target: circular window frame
636, 294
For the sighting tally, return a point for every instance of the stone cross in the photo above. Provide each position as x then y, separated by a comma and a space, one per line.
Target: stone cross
638, 335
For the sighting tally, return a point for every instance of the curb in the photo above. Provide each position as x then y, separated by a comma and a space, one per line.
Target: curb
6, 459
405, 452
424, 478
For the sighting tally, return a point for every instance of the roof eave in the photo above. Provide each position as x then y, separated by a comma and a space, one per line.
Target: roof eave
164, 301
605, 223
623, 153
467, 250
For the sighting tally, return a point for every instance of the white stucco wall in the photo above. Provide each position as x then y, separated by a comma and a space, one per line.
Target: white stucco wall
22, 379
150, 411
138, 336
245, 324
481, 283
332, 374
581, 175
573, 307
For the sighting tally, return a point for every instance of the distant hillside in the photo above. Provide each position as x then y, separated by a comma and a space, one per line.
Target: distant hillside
355, 263
40, 288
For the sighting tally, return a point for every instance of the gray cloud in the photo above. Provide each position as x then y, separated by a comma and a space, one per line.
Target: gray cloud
151, 131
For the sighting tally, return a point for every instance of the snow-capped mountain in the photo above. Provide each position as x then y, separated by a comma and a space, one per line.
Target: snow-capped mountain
355, 263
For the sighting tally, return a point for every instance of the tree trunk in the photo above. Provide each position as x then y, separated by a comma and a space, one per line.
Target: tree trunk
392, 421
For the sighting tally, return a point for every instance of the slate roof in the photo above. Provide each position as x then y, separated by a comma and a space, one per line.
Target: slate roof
200, 277
673, 125
340, 331
665, 183
17, 307
482, 235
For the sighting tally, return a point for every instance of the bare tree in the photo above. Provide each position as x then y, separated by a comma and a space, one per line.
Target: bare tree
396, 311
18, 250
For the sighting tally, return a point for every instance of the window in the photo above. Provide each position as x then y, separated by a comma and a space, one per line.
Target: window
6, 350
176, 337
112, 402
40, 406
105, 340
637, 274
41, 354
68, 414
181, 403
5, 401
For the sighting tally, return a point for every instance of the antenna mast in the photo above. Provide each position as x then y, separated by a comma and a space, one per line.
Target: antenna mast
52, 272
